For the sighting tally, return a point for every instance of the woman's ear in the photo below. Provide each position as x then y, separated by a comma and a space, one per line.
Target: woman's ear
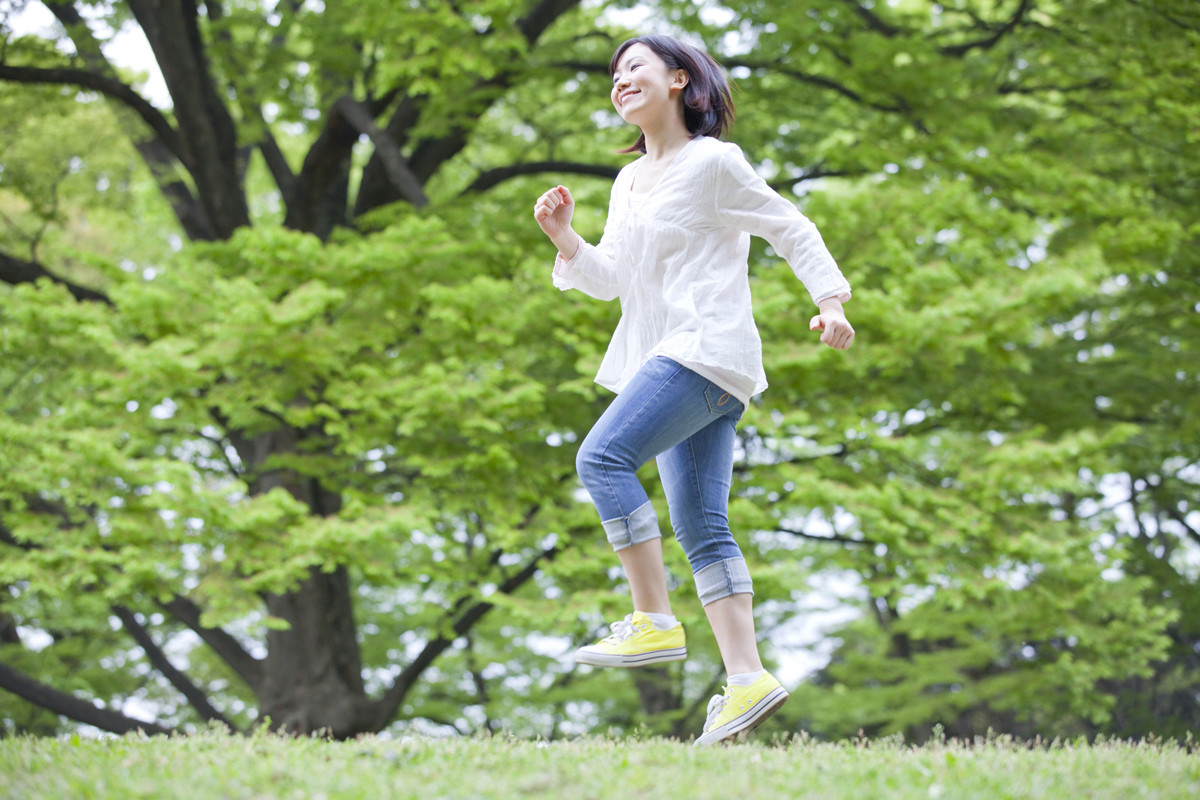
680, 80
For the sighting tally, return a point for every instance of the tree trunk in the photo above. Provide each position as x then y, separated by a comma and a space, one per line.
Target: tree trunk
660, 692
313, 674
311, 678
322, 189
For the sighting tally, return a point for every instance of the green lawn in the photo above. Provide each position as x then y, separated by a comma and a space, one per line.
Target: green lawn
214, 765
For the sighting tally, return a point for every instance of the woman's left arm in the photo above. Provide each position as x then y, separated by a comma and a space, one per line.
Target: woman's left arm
743, 200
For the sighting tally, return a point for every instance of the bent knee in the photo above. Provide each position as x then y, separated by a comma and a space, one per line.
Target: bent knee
594, 463
587, 464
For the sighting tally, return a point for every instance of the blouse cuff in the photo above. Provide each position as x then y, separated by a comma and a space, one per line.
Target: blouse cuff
563, 267
842, 296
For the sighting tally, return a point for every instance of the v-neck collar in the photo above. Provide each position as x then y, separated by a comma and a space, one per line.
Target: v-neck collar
666, 171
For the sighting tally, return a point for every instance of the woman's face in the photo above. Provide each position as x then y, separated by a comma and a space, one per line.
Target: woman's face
643, 86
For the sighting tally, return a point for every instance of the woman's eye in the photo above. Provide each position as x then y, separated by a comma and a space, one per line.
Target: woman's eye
617, 75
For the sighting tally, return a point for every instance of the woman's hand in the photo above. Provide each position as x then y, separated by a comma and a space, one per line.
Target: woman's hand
553, 212
836, 330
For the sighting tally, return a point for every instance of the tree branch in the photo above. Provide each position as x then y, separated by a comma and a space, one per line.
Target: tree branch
815, 80
376, 189
109, 87
386, 706
594, 67
158, 659
428, 155
1096, 84
1174, 514
835, 537
161, 155
248, 668
72, 707
207, 133
492, 177
281, 171
989, 42
394, 163
873, 20
247, 96
813, 174
319, 203
51, 699
542, 16
245, 665
15, 270
1157, 8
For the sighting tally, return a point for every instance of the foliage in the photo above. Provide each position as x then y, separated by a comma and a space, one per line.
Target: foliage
290, 405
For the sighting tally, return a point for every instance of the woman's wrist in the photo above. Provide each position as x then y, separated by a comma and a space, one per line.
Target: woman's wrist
567, 244
831, 305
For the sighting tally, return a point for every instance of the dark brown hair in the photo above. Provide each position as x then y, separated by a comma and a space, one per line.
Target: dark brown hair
707, 102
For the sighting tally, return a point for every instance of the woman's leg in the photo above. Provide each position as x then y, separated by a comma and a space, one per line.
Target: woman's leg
643, 564
697, 475
663, 405
732, 621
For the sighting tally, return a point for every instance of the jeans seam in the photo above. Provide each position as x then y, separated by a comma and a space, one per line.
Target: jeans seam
695, 476
729, 588
626, 523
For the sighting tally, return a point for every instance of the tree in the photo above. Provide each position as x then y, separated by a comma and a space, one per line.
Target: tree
222, 450
312, 456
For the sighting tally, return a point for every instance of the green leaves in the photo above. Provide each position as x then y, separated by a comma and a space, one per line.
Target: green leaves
998, 479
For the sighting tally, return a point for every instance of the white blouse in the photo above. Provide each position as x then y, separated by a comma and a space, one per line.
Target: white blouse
677, 259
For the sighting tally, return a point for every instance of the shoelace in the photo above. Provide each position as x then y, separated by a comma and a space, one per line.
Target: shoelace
715, 705
622, 629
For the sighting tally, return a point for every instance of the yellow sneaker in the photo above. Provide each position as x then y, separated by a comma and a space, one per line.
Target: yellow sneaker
742, 709
634, 642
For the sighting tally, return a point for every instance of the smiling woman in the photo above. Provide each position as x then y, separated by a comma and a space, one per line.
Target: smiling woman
685, 358
707, 103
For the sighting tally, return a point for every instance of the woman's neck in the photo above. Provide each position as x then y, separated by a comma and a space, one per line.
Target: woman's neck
664, 141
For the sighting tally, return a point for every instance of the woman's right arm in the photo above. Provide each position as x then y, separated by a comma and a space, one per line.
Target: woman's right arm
553, 212
579, 265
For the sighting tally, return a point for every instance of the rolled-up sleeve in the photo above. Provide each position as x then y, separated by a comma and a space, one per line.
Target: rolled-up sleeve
743, 200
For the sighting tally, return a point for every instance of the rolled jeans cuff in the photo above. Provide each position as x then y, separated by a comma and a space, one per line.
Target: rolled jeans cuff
640, 526
723, 578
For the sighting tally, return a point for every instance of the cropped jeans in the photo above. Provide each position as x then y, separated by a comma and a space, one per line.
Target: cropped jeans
687, 423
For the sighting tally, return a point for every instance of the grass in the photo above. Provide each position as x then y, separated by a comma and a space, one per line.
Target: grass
215, 765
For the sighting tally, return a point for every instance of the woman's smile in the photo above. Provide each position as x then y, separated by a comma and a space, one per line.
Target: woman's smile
628, 93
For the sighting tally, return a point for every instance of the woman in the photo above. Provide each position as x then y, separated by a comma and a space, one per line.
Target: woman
686, 356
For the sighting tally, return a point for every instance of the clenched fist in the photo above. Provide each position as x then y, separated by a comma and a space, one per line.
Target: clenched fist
553, 211
835, 329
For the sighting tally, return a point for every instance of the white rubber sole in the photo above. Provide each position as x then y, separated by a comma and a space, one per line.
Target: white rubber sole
591, 658
754, 716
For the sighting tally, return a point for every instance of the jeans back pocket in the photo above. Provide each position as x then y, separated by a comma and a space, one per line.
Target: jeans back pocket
721, 402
